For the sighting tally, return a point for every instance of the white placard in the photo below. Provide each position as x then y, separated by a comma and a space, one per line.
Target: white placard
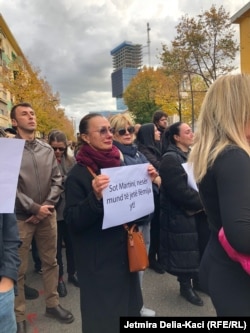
129, 195
188, 167
11, 151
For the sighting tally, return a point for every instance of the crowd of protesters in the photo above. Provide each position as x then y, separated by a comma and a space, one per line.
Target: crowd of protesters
59, 204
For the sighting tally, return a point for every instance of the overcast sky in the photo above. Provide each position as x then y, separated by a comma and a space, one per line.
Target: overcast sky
70, 40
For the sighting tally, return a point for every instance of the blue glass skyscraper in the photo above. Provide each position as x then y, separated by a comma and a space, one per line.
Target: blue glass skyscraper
127, 61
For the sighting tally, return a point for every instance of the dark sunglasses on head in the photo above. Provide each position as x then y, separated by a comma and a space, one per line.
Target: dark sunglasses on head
58, 148
123, 131
105, 130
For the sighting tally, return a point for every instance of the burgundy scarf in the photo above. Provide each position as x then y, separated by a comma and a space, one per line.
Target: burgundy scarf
97, 159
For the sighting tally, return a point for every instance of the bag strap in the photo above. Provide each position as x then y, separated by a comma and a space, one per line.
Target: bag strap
121, 156
131, 229
126, 227
94, 175
91, 171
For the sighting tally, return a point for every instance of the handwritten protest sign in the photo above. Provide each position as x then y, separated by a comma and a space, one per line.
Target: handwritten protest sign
11, 156
129, 195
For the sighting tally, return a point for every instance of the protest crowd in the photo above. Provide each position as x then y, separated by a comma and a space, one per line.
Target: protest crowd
68, 201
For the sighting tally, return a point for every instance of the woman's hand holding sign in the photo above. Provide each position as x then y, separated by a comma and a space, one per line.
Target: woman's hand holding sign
99, 183
153, 174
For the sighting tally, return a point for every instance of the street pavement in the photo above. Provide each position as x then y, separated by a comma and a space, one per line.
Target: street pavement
160, 291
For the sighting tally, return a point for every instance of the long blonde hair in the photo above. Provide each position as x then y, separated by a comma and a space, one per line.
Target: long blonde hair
224, 114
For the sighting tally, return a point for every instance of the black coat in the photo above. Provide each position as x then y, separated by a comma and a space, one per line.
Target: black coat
180, 246
107, 289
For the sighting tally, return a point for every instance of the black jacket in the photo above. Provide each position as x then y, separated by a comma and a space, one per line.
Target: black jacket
179, 248
108, 289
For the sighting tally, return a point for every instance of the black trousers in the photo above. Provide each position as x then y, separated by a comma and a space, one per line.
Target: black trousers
63, 234
153, 252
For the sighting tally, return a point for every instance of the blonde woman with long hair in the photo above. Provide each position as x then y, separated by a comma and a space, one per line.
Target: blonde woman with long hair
220, 158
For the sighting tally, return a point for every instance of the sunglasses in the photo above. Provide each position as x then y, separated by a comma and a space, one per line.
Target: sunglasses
58, 148
105, 130
123, 131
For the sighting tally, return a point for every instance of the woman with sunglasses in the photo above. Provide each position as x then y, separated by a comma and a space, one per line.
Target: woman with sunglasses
124, 137
58, 142
107, 288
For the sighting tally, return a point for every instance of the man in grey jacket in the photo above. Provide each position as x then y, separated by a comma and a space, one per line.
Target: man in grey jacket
38, 190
